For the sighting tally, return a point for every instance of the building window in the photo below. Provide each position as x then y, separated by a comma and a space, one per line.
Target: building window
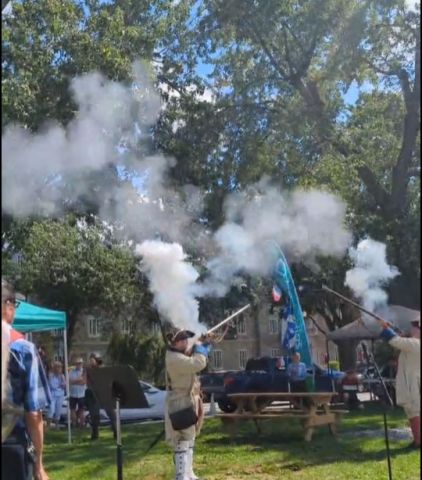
241, 325
243, 357
275, 352
217, 359
127, 326
93, 327
273, 325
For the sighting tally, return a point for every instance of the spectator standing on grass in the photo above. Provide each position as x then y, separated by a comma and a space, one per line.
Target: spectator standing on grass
93, 405
57, 383
27, 391
77, 381
408, 379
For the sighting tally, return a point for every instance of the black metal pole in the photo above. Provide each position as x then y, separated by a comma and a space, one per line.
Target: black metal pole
327, 346
119, 452
365, 351
342, 297
389, 401
387, 445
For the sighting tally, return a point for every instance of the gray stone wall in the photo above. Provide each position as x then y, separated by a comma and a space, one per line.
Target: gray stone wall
266, 342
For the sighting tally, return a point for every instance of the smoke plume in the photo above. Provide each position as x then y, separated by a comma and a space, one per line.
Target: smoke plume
172, 281
46, 171
107, 114
305, 224
370, 273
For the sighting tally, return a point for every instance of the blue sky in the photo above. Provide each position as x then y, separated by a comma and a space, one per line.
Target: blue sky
350, 97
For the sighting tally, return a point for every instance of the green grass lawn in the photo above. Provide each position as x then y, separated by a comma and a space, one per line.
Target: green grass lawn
279, 453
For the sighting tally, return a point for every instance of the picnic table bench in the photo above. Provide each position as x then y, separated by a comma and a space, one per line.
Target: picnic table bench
313, 409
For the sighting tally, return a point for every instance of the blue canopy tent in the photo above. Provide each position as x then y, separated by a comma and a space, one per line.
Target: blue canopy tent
31, 318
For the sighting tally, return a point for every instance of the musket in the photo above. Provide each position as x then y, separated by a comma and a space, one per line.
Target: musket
368, 312
226, 320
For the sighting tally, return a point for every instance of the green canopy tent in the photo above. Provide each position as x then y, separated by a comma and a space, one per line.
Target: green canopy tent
31, 318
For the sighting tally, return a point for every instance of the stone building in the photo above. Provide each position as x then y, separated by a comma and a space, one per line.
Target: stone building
251, 336
89, 336
92, 335
258, 337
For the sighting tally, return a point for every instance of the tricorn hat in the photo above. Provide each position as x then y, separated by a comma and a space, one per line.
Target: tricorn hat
178, 335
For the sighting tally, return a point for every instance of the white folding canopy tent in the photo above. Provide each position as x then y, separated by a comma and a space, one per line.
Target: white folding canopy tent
31, 318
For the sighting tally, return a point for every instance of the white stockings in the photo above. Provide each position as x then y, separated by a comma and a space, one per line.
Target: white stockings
181, 453
183, 460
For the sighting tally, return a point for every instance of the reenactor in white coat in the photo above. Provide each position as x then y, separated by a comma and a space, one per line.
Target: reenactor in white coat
183, 391
408, 378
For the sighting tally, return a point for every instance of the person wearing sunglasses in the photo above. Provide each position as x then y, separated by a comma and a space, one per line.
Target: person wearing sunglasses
27, 391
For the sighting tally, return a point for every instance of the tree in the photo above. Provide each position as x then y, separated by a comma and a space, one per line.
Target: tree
272, 102
279, 72
145, 353
46, 43
72, 266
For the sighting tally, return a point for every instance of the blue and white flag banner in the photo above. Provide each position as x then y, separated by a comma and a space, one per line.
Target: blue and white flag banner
293, 331
290, 342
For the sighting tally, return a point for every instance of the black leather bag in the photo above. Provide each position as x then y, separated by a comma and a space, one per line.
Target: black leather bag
183, 418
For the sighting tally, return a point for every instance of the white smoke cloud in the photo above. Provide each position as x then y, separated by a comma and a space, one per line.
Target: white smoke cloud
412, 5
107, 115
305, 224
113, 127
370, 273
172, 281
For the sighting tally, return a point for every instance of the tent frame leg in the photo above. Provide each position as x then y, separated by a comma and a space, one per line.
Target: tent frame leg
66, 367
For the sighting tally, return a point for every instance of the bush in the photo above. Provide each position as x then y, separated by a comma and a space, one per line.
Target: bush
145, 353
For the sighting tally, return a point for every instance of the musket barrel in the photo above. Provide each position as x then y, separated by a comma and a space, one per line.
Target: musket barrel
235, 314
324, 287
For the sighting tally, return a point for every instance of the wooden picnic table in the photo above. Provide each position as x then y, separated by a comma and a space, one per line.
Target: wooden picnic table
311, 408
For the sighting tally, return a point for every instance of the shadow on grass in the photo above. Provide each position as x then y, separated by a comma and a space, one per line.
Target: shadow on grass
101, 454
286, 438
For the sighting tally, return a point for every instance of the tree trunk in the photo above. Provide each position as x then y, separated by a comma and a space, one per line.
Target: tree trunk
347, 353
71, 323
